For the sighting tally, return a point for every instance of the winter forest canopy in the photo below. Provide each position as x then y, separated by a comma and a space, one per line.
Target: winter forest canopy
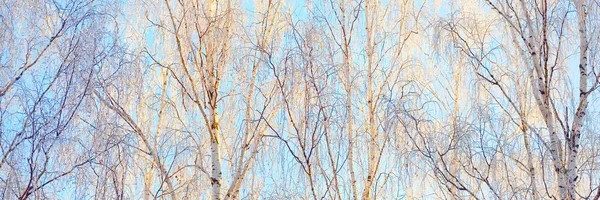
317, 99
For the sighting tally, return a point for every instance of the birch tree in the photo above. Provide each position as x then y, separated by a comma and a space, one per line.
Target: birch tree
320, 99
539, 31
47, 66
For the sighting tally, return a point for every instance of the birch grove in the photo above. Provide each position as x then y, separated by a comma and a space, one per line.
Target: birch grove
320, 99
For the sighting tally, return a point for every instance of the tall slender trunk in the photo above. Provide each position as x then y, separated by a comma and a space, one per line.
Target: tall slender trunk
454, 162
370, 13
216, 57
148, 180
351, 141
573, 139
332, 159
541, 93
348, 85
215, 131
530, 168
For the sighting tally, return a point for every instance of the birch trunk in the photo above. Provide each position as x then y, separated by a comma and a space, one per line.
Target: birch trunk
348, 86
530, 167
454, 163
573, 140
215, 156
370, 12
542, 97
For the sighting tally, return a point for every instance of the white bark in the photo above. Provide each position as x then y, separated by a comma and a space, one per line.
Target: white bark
573, 141
346, 36
542, 97
215, 177
370, 13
